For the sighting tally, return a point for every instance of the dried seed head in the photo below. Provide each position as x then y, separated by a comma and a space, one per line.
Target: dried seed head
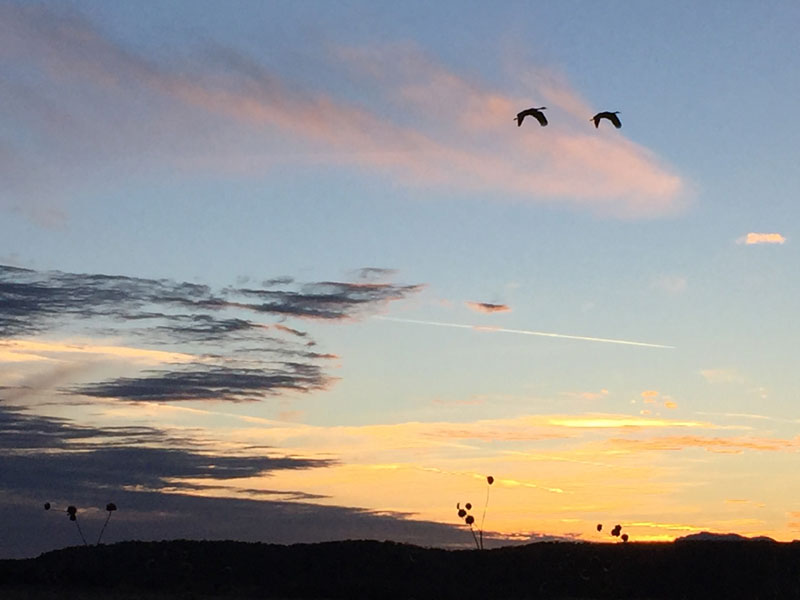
468, 506
462, 513
490, 479
624, 537
111, 507
599, 527
72, 511
470, 519
47, 506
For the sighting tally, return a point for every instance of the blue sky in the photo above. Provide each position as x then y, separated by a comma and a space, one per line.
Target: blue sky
367, 154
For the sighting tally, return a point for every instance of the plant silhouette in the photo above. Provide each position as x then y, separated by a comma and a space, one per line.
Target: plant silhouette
110, 507
615, 532
72, 513
469, 519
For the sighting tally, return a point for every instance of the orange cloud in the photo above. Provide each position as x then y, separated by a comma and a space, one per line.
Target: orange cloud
761, 238
744, 502
548, 476
722, 375
615, 421
649, 396
486, 307
735, 445
592, 395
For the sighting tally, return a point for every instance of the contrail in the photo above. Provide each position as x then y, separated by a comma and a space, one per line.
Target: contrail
526, 332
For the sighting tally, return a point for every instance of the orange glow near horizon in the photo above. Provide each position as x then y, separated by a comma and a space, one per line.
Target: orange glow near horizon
564, 490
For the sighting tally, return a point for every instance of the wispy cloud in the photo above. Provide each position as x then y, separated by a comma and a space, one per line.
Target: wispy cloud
387, 439
487, 307
589, 395
722, 375
744, 502
649, 396
565, 163
749, 416
36, 300
427, 126
14, 350
671, 284
730, 445
216, 383
617, 422
761, 238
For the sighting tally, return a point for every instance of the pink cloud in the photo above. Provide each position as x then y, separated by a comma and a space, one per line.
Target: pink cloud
429, 126
488, 307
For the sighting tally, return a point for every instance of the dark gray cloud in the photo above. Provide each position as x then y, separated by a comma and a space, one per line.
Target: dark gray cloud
276, 281
373, 273
35, 301
20, 431
243, 358
118, 467
215, 383
488, 307
47, 457
30, 300
145, 515
326, 300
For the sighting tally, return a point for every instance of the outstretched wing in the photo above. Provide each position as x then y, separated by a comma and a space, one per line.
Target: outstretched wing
615, 120
532, 112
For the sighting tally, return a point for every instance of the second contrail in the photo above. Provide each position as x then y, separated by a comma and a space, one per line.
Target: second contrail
526, 332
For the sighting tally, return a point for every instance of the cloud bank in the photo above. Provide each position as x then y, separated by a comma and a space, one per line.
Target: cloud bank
142, 470
210, 345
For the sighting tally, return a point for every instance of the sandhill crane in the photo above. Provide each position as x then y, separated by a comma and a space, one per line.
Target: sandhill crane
532, 112
611, 116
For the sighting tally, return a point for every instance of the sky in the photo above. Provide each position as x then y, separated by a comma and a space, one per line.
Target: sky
291, 271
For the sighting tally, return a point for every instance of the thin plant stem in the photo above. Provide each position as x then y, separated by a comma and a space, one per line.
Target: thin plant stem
100, 537
483, 518
474, 537
78, 525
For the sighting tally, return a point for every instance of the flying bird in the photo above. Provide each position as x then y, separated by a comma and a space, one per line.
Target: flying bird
536, 113
611, 116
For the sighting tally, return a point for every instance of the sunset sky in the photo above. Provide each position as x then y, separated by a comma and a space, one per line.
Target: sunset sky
291, 272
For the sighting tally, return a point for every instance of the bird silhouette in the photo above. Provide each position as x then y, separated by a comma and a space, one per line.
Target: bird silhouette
611, 116
532, 112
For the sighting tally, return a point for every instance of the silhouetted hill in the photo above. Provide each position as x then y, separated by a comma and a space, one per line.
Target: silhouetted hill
706, 536
369, 569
